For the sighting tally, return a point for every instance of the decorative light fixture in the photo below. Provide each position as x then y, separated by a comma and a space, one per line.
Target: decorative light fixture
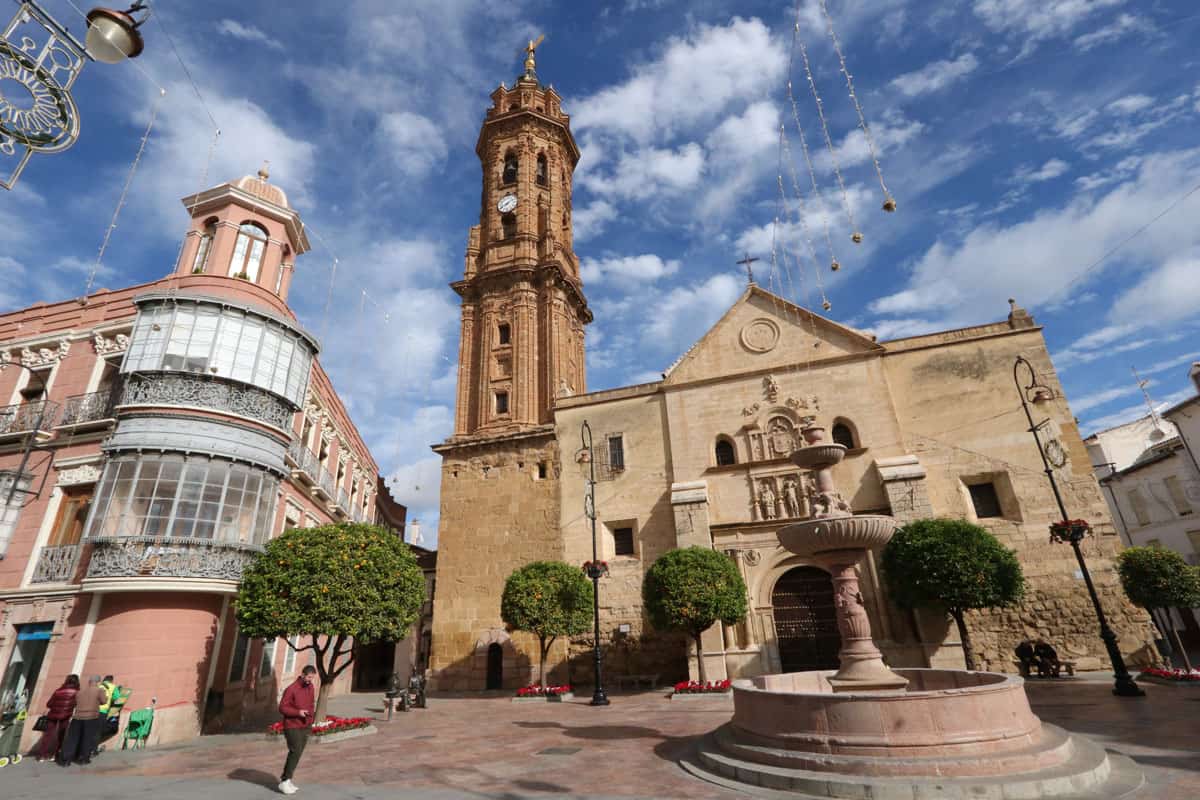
113, 36
41, 55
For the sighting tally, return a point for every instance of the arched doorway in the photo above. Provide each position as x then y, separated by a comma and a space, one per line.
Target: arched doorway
495, 666
805, 622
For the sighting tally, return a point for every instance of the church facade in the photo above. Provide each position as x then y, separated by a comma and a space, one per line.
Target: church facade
933, 425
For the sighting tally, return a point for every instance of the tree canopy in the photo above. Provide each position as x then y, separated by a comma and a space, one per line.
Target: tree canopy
690, 590
951, 564
548, 599
339, 584
1155, 577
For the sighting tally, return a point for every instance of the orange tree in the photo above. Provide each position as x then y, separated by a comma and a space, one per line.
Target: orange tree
548, 599
951, 564
336, 585
1155, 577
692, 589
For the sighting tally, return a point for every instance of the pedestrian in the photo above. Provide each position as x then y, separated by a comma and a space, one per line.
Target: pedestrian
59, 709
81, 735
110, 694
297, 706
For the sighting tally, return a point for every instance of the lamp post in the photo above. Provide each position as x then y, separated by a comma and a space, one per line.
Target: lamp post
1037, 392
594, 568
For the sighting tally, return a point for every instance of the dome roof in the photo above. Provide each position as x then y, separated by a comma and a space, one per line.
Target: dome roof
257, 186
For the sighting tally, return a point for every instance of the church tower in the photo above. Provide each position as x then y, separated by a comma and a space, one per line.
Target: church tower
521, 347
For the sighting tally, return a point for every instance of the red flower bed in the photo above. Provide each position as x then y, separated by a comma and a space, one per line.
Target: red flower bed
1173, 674
696, 687
328, 725
538, 691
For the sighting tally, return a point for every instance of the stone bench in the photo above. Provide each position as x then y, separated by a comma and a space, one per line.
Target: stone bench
634, 681
1064, 666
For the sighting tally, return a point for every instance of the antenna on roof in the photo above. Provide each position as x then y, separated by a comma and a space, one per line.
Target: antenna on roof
1158, 433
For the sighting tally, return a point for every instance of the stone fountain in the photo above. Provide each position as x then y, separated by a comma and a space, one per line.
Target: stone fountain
868, 731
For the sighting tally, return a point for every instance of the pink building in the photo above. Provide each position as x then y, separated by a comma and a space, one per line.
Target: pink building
177, 425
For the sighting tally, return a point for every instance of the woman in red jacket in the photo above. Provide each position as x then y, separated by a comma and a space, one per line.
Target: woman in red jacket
60, 707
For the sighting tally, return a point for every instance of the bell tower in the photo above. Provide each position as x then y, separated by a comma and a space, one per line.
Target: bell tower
523, 308
523, 314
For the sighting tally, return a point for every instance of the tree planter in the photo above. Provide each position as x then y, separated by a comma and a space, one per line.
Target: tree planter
549, 698
691, 696
1175, 677
329, 738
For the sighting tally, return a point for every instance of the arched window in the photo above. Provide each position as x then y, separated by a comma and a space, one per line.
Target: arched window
205, 246
725, 453
509, 224
541, 169
248, 252
843, 434
510, 168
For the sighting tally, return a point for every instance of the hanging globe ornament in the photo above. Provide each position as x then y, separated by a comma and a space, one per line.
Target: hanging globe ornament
834, 266
856, 237
827, 305
889, 205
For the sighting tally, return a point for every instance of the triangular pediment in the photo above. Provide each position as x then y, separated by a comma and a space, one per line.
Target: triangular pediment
764, 331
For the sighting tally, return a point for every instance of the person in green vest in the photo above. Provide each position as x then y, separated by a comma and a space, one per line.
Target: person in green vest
105, 730
108, 686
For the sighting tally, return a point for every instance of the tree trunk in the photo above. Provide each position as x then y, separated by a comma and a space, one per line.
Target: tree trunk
700, 659
965, 638
542, 648
322, 701
1187, 662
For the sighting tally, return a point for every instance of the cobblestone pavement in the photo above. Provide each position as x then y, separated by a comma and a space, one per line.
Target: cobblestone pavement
493, 748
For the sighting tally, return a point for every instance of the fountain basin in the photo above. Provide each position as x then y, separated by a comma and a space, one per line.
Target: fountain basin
819, 456
823, 535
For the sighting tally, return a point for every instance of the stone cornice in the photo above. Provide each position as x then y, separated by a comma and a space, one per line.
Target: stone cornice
483, 441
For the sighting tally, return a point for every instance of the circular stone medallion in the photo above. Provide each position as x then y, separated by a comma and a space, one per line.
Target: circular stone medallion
761, 335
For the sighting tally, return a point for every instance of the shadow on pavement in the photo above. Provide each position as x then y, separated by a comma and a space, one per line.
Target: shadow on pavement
255, 776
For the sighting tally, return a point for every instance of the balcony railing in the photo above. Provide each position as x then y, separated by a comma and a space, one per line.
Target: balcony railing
168, 557
306, 466
56, 564
23, 418
200, 391
343, 501
90, 410
324, 484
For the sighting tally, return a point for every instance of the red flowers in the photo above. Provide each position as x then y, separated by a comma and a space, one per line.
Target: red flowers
1173, 674
1069, 530
538, 691
328, 725
595, 569
696, 687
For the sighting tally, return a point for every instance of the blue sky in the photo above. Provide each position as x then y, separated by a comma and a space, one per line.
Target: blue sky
1022, 139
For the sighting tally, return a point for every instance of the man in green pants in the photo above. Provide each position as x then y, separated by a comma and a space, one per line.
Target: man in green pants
297, 706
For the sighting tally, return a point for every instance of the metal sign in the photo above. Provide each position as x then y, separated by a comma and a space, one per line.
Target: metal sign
39, 60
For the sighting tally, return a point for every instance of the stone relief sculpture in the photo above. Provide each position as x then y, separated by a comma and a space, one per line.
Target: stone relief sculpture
767, 500
781, 436
791, 497
770, 388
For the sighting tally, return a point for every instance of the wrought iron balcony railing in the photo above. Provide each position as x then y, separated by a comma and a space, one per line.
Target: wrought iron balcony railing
25, 418
324, 484
93, 409
200, 391
169, 557
56, 564
305, 464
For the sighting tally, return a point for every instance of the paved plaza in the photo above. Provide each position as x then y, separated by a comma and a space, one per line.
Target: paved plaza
489, 747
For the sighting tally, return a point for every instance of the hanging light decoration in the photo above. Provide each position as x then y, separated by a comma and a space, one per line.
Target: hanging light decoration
113, 36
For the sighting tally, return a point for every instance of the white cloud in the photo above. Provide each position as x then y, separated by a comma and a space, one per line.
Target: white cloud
647, 173
695, 79
936, 76
1035, 260
1180, 362
1132, 412
683, 314
888, 329
413, 142
590, 221
1103, 397
1122, 25
247, 33
1036, 20
627, 271
1048, 171
1117, 172
1131, 103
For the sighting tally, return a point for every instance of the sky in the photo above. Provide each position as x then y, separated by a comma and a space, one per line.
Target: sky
1030, 145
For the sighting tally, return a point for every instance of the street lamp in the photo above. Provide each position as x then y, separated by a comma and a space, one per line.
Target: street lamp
1036, 392
594, 568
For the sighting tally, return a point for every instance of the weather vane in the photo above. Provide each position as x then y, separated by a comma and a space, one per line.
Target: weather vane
529, 50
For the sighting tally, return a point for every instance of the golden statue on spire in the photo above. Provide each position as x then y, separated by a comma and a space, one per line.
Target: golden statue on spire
529, 50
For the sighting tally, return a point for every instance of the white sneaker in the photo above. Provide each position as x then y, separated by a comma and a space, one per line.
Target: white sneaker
287, 787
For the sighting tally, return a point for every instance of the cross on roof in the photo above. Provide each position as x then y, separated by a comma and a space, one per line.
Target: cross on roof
746, 262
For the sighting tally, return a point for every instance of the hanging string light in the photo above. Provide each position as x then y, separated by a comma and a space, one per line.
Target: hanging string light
802, 220
856, 236
889, 202
799, 214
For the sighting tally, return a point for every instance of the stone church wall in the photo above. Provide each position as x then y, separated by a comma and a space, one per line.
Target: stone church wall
497, 514
960, 414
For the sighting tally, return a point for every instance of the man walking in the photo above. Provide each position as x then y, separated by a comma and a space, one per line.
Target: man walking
81, 735
297, 706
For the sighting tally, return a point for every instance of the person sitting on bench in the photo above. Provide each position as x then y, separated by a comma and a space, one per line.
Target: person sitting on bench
1026, 657
1048, 664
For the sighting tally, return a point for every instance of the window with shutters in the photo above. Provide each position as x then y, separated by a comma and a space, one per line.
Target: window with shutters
1138, 503
237, 661
1178, 498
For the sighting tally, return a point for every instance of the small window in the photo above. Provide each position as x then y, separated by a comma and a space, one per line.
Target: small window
623, 541
510, 168
541, 472
248, 252
616, 452
503, 333
237, 662
541, 170
1178, 496
843, 435
1139, 506
508, 224
205, 246
501, 402
267, 664
985, 500
725, 454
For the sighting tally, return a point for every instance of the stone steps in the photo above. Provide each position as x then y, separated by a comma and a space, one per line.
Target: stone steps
1090, 773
